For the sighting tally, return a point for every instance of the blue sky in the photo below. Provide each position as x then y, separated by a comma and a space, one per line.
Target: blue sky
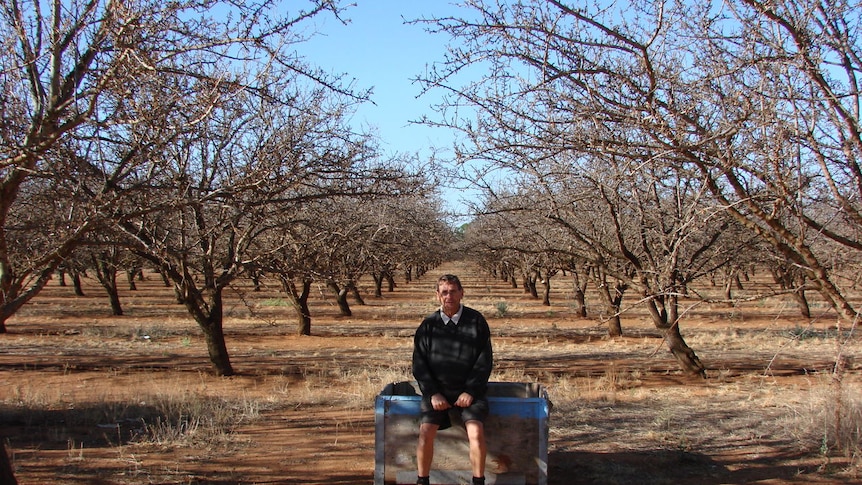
379, 51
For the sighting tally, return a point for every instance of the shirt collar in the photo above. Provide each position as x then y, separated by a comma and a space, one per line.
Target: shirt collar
455, 318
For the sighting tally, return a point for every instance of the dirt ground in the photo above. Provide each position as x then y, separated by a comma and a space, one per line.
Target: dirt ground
88, 398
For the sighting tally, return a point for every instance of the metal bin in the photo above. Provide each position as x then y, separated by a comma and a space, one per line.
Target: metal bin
516, 431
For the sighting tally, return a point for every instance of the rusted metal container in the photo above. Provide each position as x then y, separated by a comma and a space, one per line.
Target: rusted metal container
516, 431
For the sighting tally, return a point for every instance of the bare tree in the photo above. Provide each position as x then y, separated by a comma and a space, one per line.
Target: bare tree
345, 239
571, 109
185, 125
359, 236
579, 271
227, 187
413, 233
76, 69
105, 263
761, 100
790, 171
33, 227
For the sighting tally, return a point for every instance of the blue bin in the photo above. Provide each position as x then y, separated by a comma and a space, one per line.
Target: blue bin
516, 431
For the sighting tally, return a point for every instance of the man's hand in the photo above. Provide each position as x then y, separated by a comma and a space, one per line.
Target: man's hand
464, 400
439, 403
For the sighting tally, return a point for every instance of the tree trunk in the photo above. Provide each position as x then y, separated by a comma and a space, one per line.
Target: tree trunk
684, 354
728, 291
530, 285
255, 279
612, 302
378, 284
300, 302
340, 298
76, 283
790, 279
546, 291
212, 324
165, 279
206, 306
106, 273
7, 475
357, 297
130, 277
802, 303
580, 286
665, 315
114, 298
216, 345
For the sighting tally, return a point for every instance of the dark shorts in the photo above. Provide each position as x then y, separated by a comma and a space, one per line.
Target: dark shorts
477, 411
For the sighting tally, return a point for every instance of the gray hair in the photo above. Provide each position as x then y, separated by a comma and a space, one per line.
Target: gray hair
449, 278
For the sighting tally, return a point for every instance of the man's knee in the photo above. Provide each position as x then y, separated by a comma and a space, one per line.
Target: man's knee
427, 432
475, 430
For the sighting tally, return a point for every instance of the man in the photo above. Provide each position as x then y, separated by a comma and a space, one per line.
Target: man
452, 361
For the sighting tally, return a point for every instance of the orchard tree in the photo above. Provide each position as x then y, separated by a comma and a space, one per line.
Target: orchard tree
74, 74
360, 236
290, 255
790, 170
106, 262
346, 242
224, 188
570, 108
758, 100
40, 232
414, 233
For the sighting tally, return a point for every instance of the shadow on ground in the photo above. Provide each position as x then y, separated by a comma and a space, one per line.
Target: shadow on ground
659, 467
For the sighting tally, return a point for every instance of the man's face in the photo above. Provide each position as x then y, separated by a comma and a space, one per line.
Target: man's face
450, 297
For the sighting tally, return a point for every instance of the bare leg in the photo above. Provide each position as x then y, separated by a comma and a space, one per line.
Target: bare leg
425, 448
478, 449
